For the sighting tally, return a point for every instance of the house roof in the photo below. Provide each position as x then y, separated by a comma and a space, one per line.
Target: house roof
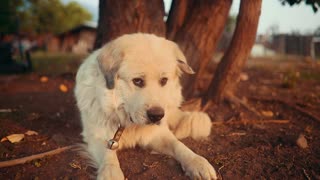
91, 24
86, 25
316, 39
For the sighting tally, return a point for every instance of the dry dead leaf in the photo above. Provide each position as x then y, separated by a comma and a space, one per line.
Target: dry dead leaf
267, 113
4, 139
44, 79
30, 133
244, 77
63, 88
14, 138
302, 142
75, 164
37, 163
308, 129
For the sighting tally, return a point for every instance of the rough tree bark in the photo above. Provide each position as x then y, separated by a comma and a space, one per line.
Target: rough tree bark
118, 17
229, 68
197, 26
177, 15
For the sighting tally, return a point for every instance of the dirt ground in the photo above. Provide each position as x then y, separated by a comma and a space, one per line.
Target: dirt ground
244, 143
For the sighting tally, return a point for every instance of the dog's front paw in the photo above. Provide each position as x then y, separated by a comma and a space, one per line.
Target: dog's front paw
110, 172
199, 168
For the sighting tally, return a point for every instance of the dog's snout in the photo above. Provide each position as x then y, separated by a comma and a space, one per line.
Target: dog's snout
155, 114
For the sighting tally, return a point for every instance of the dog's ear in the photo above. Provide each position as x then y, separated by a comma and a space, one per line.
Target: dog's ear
109, 61
182, 62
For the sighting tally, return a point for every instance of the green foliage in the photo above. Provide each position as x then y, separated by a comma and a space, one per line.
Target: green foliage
43, 16
76, 15
8, 15
290, 78
55, 63
310, 75
315, 4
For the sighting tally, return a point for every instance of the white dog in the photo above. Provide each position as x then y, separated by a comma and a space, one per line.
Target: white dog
133, 82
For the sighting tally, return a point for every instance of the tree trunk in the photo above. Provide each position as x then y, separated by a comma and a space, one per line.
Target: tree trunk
202, 23
229, 68
177, 15
118, 17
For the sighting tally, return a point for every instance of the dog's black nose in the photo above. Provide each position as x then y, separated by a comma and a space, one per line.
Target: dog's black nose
155, 114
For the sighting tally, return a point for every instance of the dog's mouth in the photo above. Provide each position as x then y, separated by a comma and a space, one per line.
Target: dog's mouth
123, 114
153, 123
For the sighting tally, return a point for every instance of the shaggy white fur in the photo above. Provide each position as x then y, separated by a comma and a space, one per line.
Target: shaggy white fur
119, 84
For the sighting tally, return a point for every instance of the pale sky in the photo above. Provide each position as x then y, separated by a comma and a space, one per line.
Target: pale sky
299, 18
288, 18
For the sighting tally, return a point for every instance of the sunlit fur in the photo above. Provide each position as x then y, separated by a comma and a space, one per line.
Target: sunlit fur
103, 109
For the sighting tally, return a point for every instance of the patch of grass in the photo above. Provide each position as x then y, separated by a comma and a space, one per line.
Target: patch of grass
309, 75
292, 76
290, 79
55, 63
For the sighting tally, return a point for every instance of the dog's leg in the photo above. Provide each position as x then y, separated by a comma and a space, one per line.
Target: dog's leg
106, 159
189, 124
195, 166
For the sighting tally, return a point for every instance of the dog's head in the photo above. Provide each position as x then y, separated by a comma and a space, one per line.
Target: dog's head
143, 72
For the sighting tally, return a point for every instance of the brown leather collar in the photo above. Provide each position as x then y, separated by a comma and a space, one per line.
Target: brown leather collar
113, 143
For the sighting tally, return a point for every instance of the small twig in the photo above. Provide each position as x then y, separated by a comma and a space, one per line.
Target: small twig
206, 106
306, 174
33, 157
274, 121
154, 164
220, 172
6, 110
237, 134
306, 113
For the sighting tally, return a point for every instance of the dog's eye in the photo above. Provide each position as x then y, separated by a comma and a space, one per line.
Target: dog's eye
138, 82
163, 81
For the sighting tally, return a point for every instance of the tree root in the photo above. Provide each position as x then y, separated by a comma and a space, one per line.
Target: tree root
290, 105
237, 101
33, 157
229, 96
192, 105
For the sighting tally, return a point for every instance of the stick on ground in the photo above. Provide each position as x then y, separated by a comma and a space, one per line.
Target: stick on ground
273, 121
33, 157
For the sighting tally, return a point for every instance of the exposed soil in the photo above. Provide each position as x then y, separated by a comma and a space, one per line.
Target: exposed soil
237, 149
